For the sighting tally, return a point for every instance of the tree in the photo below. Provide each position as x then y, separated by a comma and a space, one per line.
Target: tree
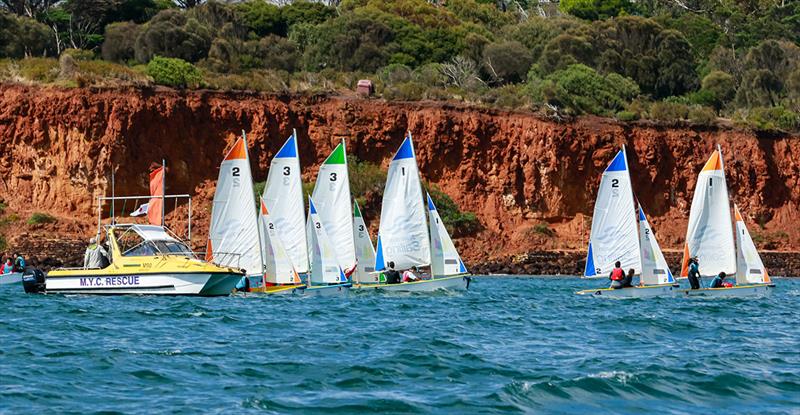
171, 33
721, 86
23, 36
29, 8
507, 62
596, 9
262, 18
119, 44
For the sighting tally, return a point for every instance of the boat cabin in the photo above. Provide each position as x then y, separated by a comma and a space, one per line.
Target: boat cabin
132, 240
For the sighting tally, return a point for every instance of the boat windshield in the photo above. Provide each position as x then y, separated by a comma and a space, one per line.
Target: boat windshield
133, 244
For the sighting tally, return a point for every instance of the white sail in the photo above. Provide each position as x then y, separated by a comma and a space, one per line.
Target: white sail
709, 235
654, 267
325, 266
283, 195
403, 233
445, 260
233, 235
365, 251
278, 268
332, 198
614, 235
749, 267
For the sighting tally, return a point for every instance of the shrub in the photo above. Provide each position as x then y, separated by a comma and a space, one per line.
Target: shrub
262, 18
365, 177
120, 42
720, 86
39, 217
596, 9
507, 96
773, 119
3, 243
507, 62
627, 116
668, 111
265, 81
580, 89
543, 229
173, 72
702, 115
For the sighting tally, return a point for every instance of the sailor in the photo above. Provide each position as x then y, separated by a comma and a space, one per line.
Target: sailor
8, 267
19, 263
628, 280
243, 285
392, 276
694, 273
95, 256
617, 276
410, 276
718, 281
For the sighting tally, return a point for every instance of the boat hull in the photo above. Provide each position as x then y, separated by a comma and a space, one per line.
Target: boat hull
337, 290
280, 289
12, 278
755, 290
664, 290
455, 283
208, 284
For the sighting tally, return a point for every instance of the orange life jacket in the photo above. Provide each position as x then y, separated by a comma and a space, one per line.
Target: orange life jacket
617, 274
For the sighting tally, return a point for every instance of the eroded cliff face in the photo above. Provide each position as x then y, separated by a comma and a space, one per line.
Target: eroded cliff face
514, 170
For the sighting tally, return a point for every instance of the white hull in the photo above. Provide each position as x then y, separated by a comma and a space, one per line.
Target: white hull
755, 290
202, 284
667, 290
12, 278
337, 290
458, 282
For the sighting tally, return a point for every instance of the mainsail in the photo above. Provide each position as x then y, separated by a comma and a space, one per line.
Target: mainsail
325, 266
403, 233
654, 267
365, 251
445, 260
332, 198
233, 236
614, 236
283, 195
749, 268
709, 235
278, 268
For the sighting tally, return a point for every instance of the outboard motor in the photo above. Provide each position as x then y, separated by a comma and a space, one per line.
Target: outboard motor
33, 281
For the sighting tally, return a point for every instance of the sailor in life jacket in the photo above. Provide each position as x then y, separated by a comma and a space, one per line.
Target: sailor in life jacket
616, 276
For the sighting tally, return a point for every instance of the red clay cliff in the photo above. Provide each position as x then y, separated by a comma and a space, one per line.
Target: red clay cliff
531, 181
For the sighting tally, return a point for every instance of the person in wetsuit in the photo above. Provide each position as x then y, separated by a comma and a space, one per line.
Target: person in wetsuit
617, 276
718, 280
694, 273
391, 274
628, 280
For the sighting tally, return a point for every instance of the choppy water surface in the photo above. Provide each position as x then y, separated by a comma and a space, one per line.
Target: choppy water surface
509, 345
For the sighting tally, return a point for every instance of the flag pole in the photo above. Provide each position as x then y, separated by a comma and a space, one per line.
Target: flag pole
163, 189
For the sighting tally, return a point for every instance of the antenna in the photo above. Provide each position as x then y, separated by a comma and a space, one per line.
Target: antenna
113, 210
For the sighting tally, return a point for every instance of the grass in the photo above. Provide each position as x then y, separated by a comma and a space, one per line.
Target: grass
543, 229
40, 218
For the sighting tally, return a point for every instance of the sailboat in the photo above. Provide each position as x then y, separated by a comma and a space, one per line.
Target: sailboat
233, 236
280, 277
403, 236
327, 277
365, 251
710, 237
332, 201
616, 236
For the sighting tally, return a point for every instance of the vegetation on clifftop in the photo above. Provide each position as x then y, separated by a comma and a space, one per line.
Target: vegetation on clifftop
672, 61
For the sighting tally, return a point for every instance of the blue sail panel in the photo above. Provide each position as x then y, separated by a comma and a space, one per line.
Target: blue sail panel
461, 268
289, 149
618, 164
406, 150
589, 271
379, 262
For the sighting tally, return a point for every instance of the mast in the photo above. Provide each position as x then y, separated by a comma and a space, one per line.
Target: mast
258, 219
113, 210
163, 189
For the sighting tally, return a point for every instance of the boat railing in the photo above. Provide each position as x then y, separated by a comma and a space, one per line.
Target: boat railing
222, 259
112, 212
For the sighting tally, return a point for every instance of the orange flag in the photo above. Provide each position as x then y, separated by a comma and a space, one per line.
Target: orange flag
156, 189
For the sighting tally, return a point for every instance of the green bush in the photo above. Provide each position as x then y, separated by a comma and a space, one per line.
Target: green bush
580, 89
38, 218
543, 229
44, 70
627, 116
510, 96
174, 72
365, 177
596, 9
3, 243
702, 115
507, 62
668, 111
773, 119
120, 42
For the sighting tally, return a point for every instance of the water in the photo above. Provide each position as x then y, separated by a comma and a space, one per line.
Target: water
507, 346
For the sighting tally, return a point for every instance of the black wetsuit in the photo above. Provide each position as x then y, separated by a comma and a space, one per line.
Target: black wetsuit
694, 277
392, 276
